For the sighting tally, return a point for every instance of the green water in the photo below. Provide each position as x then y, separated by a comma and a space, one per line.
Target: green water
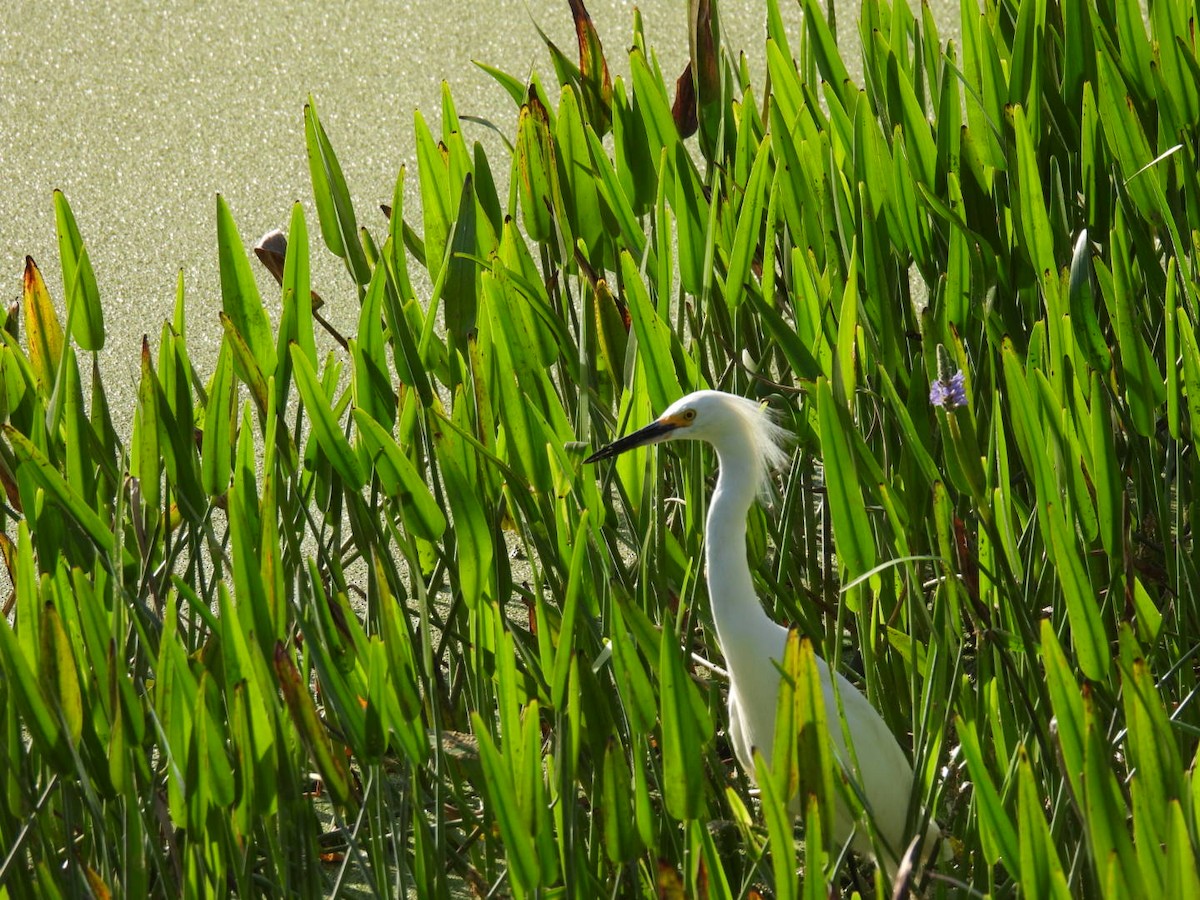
143, 117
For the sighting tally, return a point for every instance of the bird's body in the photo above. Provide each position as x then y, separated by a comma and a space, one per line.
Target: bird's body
749, 446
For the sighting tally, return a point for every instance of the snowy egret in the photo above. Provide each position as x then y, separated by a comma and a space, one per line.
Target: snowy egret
749, 447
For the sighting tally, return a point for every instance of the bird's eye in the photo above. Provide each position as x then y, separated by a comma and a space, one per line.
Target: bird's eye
689, 414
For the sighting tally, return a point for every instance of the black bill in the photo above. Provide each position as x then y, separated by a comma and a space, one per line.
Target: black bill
652, 433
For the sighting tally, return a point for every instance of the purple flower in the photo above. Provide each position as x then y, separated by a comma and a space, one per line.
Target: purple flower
949, 393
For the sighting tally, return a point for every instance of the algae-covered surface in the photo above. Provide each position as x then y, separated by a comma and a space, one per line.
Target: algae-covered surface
142, 117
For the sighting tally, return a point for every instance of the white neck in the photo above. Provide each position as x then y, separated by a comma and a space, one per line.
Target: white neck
744, 631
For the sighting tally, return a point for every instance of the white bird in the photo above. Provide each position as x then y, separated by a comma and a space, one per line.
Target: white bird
749, 446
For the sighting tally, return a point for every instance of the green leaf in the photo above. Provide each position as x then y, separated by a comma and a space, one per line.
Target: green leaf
654, 339
20, 663
988, 91
78, 437
215, 776
999, 838
1087, 628
460, 296
1083, 303
404, 333
515, 363
401, 480
651, 105
1067, 705
787, 94
594, 80
1040, 870
1190, 352
36, 715
633, 684
473, 539
616, 199
1145, 390
1136, 53
371, 380
245, 536
1024, 76
620, 834
52, 482
297, 284
1105, 812
682, 738
43, 334
245, 365
79, 281
1171, 339
912, 224
1126, 137
686, 193
565, 648
452, 140
579, 190
794, 349
824, 46
1150, 741
844, 382
847, 510
59, 675
1106, 474
1182, 879
534, 163
612, 339
246, 672
907, 112
145, 462
1033, 221
914, 443
311, 730
434, 176
339, 227
514, 86
745, 241
780, 832
239, 293
1079, 50
816, 852
403, 668
521, 853
216, 448
177, 420
802, 749
325, 427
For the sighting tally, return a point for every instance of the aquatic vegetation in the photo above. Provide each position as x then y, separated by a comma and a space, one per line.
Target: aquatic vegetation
351, 608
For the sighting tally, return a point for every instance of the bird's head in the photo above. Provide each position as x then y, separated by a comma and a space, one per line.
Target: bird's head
729, 423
